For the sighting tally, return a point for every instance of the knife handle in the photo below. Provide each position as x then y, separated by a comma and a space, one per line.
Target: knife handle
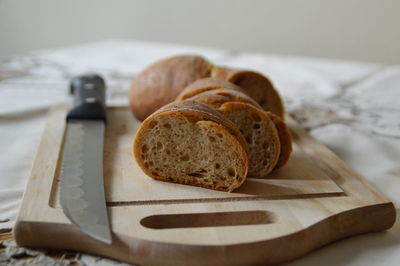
89, 98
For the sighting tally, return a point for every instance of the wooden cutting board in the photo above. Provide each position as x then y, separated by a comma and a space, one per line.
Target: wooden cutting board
314, 200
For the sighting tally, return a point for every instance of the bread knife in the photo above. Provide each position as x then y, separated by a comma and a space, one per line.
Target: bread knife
82, 186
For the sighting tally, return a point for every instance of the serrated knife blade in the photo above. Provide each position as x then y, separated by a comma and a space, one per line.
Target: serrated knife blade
82, 186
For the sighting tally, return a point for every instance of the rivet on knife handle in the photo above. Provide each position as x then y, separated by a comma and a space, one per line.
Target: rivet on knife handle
89, 98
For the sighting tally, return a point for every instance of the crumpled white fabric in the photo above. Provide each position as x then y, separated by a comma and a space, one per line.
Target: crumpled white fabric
351, 107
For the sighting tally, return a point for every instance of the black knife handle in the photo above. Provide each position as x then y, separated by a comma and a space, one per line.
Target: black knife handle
89, 98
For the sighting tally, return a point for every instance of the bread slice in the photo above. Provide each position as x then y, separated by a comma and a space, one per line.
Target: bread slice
189, 143
285, 140
260, 133
256, 85
206, 84
216, 98
160, 83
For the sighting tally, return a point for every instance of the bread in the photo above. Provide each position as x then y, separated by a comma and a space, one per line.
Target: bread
216, 133
285, 140
255, 85
206, 84
260, 134
257, 127
235, 96
216, 98
209, 86
189, 143
160, 83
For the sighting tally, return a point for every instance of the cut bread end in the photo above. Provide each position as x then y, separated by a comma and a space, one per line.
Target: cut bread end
177, 145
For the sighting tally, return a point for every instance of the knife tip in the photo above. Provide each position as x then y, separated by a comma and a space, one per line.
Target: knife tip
104, 237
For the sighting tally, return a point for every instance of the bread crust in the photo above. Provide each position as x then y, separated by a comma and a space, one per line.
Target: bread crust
206, 84
217, 97
285, 139
161, 82
195, 112
199, 111
256, 85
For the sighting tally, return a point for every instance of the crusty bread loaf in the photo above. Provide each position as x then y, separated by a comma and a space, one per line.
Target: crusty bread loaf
256, 85
216, 133
160, 83
285, 140
189, 143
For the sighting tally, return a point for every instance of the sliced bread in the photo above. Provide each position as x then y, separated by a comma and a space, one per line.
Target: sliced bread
256, 126
189, 143
216, 101
260, 134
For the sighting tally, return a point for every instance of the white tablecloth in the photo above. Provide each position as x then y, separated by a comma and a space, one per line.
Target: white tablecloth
351, 107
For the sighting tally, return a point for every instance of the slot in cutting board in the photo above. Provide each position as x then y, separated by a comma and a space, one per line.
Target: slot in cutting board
312, 201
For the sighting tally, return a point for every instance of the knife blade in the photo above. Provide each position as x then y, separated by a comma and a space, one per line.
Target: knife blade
82, 186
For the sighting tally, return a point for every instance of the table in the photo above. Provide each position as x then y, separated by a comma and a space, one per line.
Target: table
351, 107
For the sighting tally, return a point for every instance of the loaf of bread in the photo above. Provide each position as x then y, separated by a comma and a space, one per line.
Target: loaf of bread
225, 124
256, 85
160, 83
189, 143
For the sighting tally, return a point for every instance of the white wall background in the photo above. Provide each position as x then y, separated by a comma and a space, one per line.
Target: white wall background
366, 30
